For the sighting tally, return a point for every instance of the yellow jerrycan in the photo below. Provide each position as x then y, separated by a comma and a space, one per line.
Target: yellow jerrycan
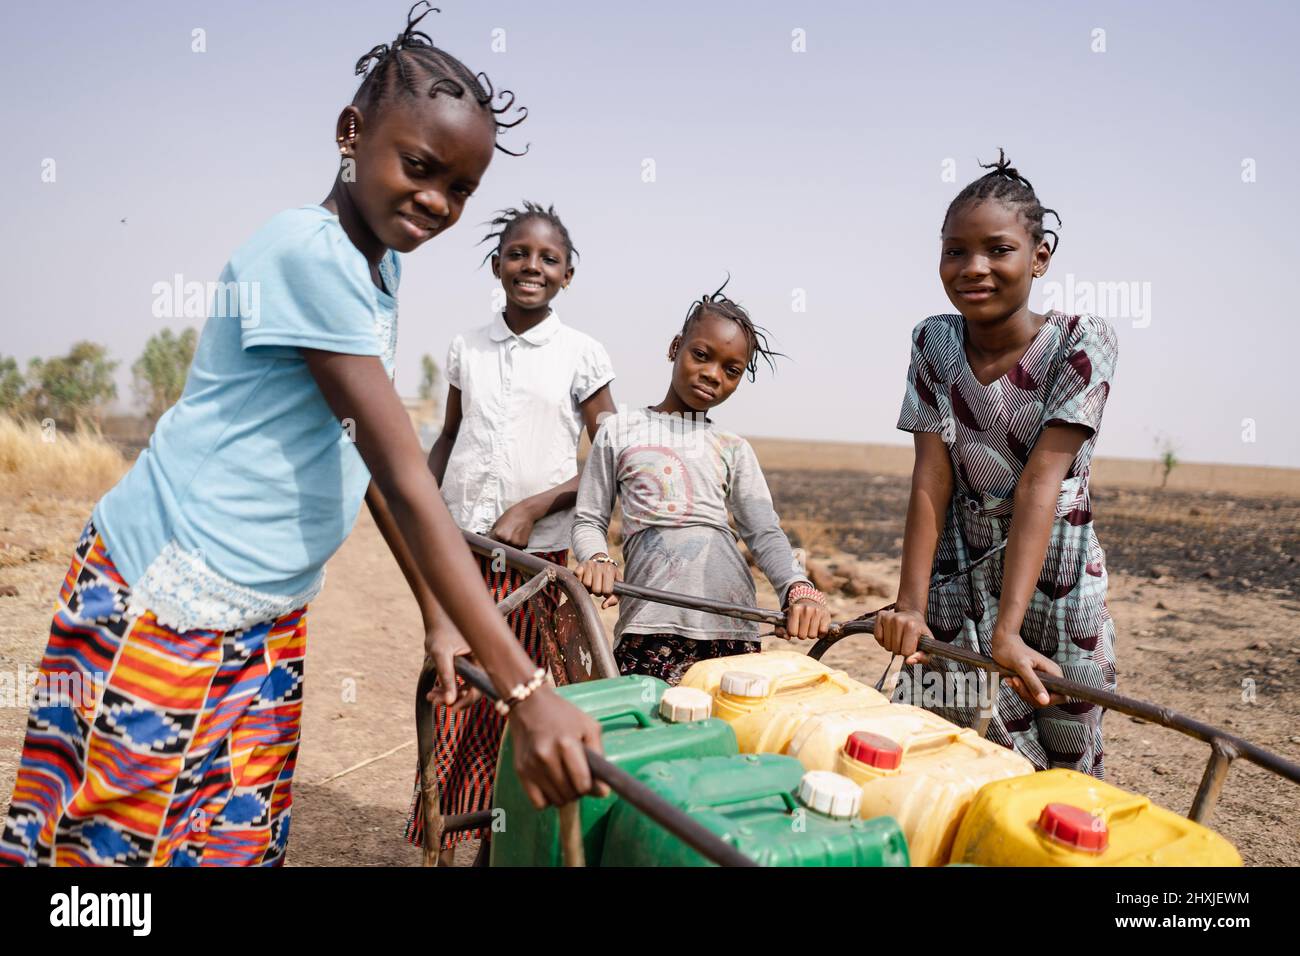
765, 697
911, 764
1064, 818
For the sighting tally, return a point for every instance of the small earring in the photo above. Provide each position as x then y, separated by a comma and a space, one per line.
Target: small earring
350, 138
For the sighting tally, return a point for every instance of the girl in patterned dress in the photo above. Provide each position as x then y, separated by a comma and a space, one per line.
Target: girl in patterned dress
522, 390
1005, 406
676, 477
176, 653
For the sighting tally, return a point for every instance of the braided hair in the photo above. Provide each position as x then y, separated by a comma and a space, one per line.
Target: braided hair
716, 303
411, 64
507, 221
1004, 183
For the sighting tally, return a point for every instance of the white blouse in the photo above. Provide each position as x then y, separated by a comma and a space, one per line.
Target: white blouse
521, 420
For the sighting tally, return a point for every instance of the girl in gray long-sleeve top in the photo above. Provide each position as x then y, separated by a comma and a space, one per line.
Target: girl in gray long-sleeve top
676, 476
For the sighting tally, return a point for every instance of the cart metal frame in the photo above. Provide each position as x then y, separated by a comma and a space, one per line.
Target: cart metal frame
576, 647
576, 640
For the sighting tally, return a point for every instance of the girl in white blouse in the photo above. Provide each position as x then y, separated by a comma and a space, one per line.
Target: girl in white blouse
522, 388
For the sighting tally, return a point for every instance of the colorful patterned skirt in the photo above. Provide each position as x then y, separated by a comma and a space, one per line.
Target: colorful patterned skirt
149, 747
467, 742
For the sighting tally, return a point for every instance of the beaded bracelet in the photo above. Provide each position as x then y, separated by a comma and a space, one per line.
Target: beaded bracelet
801, 591
604, 559
520, 693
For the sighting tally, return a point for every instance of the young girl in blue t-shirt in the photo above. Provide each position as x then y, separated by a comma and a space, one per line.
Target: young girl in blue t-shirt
188, 589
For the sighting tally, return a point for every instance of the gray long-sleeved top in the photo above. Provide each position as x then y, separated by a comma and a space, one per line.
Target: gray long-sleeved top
675, 477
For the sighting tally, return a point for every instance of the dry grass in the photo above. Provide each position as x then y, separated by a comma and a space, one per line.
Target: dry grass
48, 467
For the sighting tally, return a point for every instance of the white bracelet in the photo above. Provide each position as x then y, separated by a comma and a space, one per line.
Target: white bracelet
520, 693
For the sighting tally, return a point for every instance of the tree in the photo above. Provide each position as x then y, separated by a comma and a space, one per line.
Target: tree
161, 369
428, 377
1167, 462
74, 387
12, 385
1168, 458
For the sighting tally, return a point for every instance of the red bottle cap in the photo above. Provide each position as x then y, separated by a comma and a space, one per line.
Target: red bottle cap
874, 750
1075, 827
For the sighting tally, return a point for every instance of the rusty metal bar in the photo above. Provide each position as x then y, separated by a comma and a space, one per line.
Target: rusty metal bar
571, 849
623, 589
602, 658
430, 800
1111, 701
516, 599
1216, 772
1134, 708
455, 822
682, 826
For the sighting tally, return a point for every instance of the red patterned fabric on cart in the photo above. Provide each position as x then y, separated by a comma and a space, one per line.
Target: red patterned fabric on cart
467, 742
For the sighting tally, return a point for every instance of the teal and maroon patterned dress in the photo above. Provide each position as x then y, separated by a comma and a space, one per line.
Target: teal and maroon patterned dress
990, 430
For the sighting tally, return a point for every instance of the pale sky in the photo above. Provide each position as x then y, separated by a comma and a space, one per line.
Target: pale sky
820, 171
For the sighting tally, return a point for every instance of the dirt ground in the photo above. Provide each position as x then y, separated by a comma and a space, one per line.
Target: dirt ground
1205, 593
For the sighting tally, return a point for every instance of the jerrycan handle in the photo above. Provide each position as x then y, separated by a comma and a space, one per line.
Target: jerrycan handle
798, 681
1125, 809
754, 791
640, 716
932, 740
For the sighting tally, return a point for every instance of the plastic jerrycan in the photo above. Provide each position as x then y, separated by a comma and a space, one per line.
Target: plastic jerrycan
821, 737
765, 697
914, 766
763, 805
1064, 818
642, 720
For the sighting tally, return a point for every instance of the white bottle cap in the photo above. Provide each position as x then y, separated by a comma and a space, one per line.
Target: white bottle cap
830, 793
681, 705
744, 684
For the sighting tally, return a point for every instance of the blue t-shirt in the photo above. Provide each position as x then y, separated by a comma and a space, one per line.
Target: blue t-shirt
250, 471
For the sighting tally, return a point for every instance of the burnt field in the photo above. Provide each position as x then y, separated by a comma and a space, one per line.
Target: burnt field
1238, 543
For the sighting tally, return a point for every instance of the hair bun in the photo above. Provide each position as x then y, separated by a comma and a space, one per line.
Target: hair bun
1003, 167
407, 38
1004, 182
411, 36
